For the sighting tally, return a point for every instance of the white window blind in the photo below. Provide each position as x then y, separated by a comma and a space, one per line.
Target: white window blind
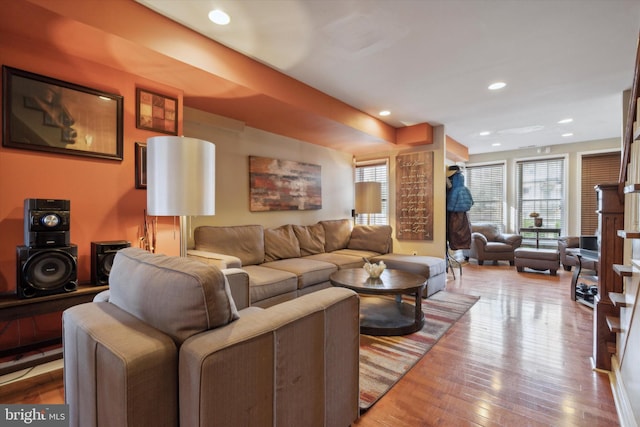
378, 171
541, 189
486, 184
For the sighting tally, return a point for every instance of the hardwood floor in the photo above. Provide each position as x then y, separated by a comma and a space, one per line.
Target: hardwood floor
520, 356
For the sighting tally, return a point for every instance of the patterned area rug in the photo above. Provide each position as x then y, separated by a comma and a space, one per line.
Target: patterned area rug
384, 360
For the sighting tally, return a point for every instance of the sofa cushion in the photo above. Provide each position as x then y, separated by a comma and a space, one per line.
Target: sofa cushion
339, 260
268, 282
179, 296
309, 272
245, 242
374, 238
280, 243
311, 238
337, 233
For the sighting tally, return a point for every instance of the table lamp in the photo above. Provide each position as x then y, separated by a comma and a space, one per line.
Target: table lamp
368, 198
180, 179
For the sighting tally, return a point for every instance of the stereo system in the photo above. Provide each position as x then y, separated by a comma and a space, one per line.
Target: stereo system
46, 270
102, 255
47, 263
46, 222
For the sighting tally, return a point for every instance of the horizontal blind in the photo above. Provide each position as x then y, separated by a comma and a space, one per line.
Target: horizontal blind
541, 189
376, 171
596, 169
486, 184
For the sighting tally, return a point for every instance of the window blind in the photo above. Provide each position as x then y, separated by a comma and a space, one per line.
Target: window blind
596, 169
541, 189
486, 184
378, 171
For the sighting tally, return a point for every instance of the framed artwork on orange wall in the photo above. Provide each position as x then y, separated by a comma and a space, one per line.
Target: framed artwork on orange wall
141, 165
155, 112
45, 114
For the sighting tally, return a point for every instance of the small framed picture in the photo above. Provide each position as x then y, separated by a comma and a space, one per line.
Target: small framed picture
141, 165
156, 112
46, 114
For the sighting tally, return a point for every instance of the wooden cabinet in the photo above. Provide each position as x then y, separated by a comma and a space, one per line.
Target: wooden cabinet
13, 308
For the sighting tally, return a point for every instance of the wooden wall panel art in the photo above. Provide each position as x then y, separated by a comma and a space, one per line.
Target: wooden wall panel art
283, 185
414, 196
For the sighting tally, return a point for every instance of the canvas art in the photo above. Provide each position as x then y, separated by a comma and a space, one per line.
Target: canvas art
283, 185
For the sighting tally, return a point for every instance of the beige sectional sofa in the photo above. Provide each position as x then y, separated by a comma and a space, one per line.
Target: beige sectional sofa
167, 346
286, 262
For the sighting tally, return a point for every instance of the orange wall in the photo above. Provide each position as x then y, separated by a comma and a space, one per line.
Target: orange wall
105, 205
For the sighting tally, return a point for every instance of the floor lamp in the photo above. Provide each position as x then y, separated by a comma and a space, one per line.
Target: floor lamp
180, 179
368, 198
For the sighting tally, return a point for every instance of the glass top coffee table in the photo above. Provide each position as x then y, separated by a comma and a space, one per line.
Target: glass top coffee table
380, 313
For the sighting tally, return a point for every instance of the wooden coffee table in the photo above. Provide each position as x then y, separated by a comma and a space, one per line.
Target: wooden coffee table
380, 314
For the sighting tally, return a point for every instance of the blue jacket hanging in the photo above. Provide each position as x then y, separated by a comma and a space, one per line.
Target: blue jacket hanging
459, 197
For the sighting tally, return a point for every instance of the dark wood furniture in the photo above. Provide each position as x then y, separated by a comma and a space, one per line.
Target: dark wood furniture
379, 313
537, 231
610, 220
13, 308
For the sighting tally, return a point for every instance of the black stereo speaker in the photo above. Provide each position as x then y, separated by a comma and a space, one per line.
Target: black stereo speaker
102, 255
46, 271
47, 222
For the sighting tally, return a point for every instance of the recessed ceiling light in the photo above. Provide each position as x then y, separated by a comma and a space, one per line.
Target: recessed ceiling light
564, 121
497, 85
384, 112
219, 17
496, 144
567, 134
485, 133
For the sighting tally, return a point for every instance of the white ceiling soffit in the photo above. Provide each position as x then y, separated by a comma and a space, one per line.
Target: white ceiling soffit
432, 60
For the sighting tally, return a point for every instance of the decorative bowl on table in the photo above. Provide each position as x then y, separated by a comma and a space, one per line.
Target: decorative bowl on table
374, 270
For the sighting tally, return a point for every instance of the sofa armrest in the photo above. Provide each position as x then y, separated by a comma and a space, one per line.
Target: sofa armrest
480, 238
239, 284
295, 362
117, 369
219, 260
514, 240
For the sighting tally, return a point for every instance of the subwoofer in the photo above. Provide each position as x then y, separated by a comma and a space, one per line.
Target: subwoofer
102, 255
46, 271
47, 222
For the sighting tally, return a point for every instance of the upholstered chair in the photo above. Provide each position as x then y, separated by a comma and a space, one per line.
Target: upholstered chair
488, 243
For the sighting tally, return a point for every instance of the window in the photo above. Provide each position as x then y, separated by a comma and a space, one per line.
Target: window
486, 184
541, 189
596, 169
378, 171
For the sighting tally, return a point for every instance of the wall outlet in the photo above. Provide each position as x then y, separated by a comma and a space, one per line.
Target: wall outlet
414, 253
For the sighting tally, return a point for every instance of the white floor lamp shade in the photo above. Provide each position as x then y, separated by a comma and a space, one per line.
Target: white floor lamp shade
180, 178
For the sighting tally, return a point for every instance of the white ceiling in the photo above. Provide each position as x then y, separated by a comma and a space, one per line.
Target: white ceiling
432, 60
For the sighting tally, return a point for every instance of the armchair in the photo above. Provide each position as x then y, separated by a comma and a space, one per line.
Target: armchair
568, 259
488, 243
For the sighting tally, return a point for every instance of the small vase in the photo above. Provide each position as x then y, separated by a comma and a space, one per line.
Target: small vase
537, 222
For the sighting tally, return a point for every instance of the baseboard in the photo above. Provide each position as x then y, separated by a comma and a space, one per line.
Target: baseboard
620, 397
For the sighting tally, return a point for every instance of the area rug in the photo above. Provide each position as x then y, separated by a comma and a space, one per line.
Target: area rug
384, 360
